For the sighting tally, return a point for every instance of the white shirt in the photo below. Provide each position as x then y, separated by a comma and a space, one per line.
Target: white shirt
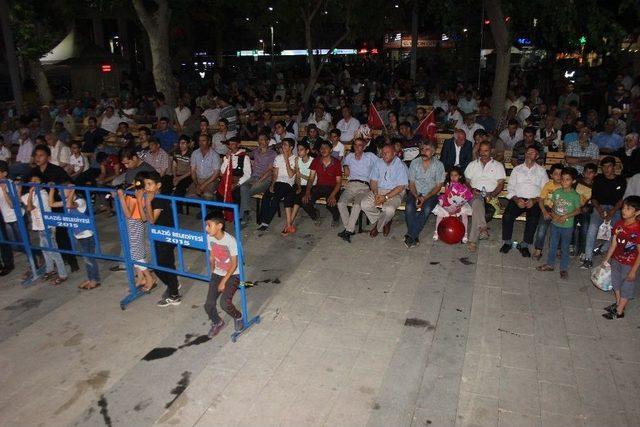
469, 131
182, 114
526, 183
485, 176
212, 114
633, 186
321, 124
338, 151
5, 154
37, 223
246, 165
444, 104
508, 140
348, 129
78, 163
25, 151
468, 106
458, 149
60, 154
304, 169
110, 124
277, 139
8, 213
456, 117
217, 143
283, 176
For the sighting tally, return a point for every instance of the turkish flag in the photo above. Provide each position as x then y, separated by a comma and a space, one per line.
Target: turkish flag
427, 128
374, 121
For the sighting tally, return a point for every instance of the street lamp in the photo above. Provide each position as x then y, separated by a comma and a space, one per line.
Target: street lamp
272, 56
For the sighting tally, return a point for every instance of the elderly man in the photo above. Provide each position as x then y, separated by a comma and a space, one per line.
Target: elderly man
486, 177
579, 153
525, 183
60, 153
348, 125
357, 167
389, 179
470, 126
328, 171
426, 176
205, 169
608, 141
321, 120
629, 155
457, 151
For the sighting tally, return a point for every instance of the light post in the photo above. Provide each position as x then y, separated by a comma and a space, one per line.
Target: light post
273, 64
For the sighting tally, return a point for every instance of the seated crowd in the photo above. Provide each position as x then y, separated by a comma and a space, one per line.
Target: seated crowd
324, 152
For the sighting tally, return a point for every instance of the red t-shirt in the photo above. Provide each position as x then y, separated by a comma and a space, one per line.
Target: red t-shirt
326, 175
627, 239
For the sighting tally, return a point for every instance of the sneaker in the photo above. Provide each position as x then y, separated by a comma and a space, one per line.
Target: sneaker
484, 235
465, 239
587, 264
505, 248
215, 328
166, 302
343, 233
613, 315
572, 250
598, 250
238, 324
525, 252
611, 308
346, 236
263, 227
435, 238
581, 256
408, 242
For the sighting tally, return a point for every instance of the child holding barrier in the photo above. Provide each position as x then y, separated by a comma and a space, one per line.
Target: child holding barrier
77, 204
223, 256
132, 207
623, 254
37, 202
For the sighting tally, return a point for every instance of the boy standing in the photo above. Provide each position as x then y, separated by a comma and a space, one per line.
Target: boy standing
565, 205
223, 250
623, 254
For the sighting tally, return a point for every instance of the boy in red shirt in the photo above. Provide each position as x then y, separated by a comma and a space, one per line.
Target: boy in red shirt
623, 253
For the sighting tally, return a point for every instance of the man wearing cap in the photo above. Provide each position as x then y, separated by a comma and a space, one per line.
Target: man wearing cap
525, 184
579, 153
357, 166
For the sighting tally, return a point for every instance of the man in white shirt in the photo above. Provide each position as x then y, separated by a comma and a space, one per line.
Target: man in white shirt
454, 118
319, 118
511, 135
470, 126
348, 125
525, 184
441, 102
280, 133
182, 113
109, 120
486, 177
212, 113
468, 104
60, 153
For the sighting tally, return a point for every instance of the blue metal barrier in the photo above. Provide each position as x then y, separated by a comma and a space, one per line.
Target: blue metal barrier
180, 238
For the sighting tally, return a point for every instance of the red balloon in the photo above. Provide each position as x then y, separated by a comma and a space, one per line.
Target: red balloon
451, 230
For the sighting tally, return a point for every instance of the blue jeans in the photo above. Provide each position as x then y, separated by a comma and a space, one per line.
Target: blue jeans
416, 220
541, 232
592, 232
87, 245
560, 236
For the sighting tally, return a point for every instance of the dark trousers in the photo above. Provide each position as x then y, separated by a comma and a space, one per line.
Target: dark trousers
63, 242
166, 258
270, 201
511, 212
6, 253
181, 189
580, 231
88, 178
318, 191
226, 302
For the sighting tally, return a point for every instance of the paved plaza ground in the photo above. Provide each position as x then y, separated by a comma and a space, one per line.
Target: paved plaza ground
369, 333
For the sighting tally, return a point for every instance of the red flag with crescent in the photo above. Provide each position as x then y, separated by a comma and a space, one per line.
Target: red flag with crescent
427, 127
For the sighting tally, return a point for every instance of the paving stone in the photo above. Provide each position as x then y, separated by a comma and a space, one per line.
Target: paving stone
519, 391
481, 375
511, 419
476, 410
558, 420
555, 364
559, 399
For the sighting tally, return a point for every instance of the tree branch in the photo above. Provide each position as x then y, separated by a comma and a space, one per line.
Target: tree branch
143, 15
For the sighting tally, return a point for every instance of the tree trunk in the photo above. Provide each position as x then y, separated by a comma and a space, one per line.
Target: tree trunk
10, 54
157, 28
40, 78
414, 41
503, 56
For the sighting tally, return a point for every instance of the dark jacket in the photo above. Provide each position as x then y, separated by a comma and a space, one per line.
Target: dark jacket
448, 154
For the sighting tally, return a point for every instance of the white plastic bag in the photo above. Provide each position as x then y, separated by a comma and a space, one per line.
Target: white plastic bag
604, 231
601, 277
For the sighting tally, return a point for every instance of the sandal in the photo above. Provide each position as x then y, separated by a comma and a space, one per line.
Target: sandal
58, 280
544, 267
148, 290
48, 276
537, 254
472, 247
92, 285
84, 285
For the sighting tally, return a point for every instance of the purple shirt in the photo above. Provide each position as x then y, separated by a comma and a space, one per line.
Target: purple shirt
261, 162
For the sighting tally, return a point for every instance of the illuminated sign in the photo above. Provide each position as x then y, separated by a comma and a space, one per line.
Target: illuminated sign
106, 68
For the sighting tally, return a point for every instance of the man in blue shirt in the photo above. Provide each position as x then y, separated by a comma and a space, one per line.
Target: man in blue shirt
389, 179
608, 141
426, 177
357, 166
167, 137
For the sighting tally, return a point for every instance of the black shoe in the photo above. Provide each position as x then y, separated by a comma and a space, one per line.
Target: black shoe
505, 248
117, 268
408, 242
614, 315
6, 271
525, 252
263, 227
611, 308
346, 237
343, 233
587, 264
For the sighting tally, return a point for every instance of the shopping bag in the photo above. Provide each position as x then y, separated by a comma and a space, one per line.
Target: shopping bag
604, 231
601, 277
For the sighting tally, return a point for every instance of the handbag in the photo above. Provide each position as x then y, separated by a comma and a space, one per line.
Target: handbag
604, 231
601, 277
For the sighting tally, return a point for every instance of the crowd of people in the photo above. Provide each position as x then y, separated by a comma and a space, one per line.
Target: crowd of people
228, 145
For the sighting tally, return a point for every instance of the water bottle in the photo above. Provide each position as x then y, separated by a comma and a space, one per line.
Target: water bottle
483, 192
